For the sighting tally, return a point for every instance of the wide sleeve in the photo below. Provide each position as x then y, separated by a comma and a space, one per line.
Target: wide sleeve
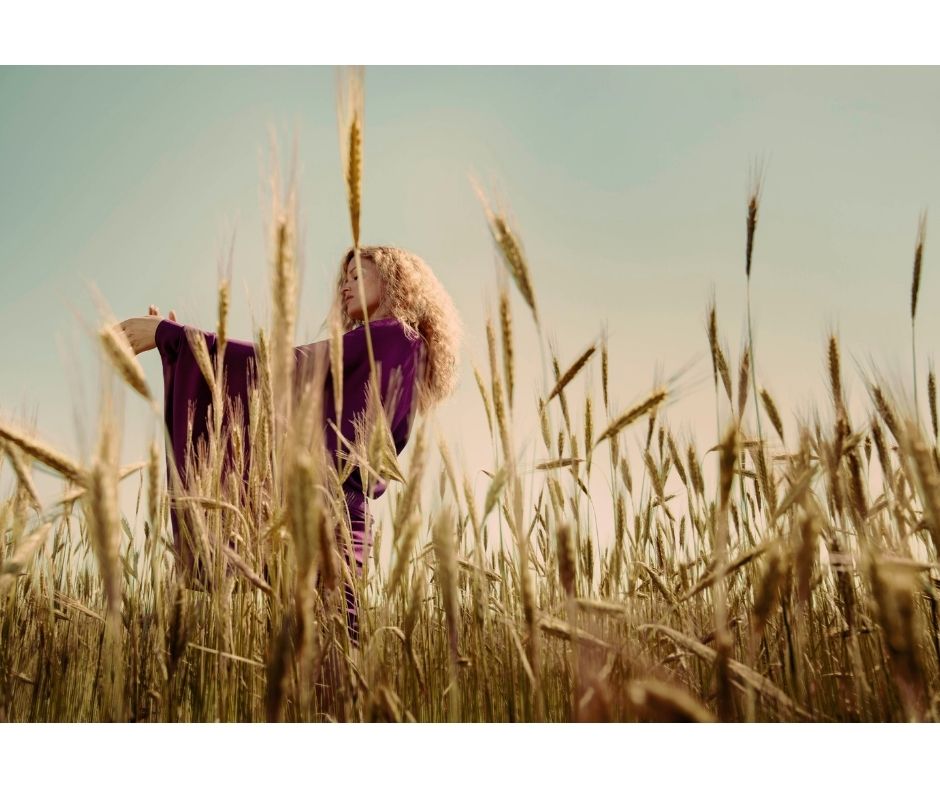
241, 358
171, 336
397, 358
187, 395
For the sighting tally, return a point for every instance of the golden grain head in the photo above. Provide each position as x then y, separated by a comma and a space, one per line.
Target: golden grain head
743, 381
43, 453
570, 373
566, 557
918, 262
647, 405
354, 176
772, 413
200, 350
122, 357
22, 471
932, 399
505, 324
445, 553
753, 206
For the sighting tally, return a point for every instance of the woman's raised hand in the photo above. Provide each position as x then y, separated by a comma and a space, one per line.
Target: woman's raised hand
141, 332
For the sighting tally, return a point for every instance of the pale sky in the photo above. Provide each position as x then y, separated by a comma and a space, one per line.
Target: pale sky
627, 185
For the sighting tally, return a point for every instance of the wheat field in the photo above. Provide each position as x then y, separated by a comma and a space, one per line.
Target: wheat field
800, 583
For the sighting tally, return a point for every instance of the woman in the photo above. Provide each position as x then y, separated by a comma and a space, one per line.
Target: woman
415, 335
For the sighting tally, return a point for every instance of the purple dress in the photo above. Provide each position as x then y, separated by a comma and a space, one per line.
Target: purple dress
397, 356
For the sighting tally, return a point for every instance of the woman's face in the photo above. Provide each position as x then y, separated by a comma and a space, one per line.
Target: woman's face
372, 284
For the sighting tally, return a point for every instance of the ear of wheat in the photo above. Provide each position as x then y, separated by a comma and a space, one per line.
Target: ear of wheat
121, 356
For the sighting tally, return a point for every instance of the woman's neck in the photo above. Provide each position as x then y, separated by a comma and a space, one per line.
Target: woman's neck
375, 319
381, 313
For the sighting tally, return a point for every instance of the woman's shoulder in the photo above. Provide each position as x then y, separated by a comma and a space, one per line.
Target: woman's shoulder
379, 324
389, 328
390, 338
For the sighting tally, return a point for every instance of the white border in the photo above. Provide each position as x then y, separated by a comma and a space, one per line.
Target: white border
474, 31
468, 755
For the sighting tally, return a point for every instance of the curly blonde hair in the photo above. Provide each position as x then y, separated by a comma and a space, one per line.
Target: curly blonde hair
417, 299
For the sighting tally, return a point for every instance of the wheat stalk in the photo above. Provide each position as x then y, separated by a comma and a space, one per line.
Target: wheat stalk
743, 381
772, 413
570, 373
588, 431
496, 387
284, 264
336, 362
894, 589
653, 401
23, 475
505, 325
197, 343
886, 411
43, 453
443, 540
511, 250
350, 117
755, 187
119, 353
768, 590
566, 557
153, 485
223, 310
484, 395
915, 291
103, 513
410, 497
932, 398
835, 375
918, 262
25, 550
753, 206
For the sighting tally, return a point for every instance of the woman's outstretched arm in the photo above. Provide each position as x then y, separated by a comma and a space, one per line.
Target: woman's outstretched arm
168, 336
153, 331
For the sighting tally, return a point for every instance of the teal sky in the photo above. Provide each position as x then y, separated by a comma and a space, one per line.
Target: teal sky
627, 185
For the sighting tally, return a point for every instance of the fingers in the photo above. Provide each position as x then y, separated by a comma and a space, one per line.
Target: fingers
155, 312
